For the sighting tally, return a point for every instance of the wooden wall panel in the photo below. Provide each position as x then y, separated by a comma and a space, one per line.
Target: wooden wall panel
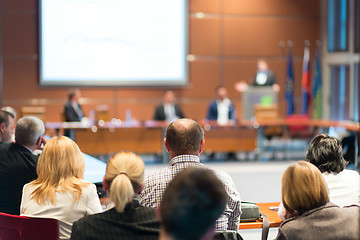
226, 43
261, 36
273, 7
19, 33
208, 6
204, 36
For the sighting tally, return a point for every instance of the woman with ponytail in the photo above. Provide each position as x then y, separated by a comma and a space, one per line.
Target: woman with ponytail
127, 219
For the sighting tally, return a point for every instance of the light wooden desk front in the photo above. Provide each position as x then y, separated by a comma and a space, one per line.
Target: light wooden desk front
274, 219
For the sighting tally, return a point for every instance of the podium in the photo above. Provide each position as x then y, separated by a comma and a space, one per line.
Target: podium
255, 96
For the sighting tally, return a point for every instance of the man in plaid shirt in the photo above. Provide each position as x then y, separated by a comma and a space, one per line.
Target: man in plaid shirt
185, 142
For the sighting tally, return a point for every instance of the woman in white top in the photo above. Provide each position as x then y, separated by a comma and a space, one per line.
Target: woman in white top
60, 191
325, 153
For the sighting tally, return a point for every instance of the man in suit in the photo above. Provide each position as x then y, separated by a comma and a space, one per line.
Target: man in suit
192, 202
18, 162
168, 110
185, 142
264, 76
73, 111
7, 128
222, 108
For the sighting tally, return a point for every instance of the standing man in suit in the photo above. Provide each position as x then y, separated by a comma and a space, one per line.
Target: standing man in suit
185, 142
264, 76
168, 110
7, 126
73, 111
222, 108
18, 162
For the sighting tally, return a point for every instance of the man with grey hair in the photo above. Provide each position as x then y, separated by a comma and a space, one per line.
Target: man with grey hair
7, 128
18, 162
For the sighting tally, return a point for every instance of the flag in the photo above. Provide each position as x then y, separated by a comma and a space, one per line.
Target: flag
289, 91
317, 87
306, 81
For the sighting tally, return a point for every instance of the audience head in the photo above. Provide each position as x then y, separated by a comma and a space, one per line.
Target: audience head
221, 92
184, 136
325, 153
124, 177
169, 96
7, 129
9, 110
29, 131
303, 188
192, 202
61, 164
74, 94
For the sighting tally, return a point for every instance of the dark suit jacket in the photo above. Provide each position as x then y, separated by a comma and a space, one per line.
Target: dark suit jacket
17, 167
136, 222
212, 113
70, 114
160, 113
325, 222
270, 79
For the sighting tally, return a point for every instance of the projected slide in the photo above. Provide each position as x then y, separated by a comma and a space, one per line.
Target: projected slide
113, 42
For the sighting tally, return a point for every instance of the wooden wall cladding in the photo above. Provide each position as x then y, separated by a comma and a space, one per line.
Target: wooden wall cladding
226, 40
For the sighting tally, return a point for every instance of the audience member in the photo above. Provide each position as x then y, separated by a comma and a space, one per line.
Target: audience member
325, 153
185, 142
308, 212
168, 110
192, 202
127, 220
60, 191
7, 126
73, 111
221, 109
18, 163
9, 110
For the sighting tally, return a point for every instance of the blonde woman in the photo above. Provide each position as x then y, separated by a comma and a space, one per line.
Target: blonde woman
128, 219
308, 212
60, 192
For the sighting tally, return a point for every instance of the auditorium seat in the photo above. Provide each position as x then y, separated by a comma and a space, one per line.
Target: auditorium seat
14, 227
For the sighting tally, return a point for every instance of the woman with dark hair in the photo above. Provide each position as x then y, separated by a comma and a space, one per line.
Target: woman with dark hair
308, 212
325, 153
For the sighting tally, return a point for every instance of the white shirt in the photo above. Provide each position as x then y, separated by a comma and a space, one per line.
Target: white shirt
223, 108
261, 78
170, 113
344, 187
65, 210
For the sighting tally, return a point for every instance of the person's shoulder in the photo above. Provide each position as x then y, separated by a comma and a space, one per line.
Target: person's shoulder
349, 172
90, 187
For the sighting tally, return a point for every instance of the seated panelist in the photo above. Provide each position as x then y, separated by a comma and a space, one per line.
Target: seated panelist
168, 110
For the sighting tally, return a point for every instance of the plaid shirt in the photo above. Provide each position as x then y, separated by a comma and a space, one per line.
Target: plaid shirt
155, 185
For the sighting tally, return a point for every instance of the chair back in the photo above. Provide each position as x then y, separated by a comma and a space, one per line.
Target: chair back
14, 227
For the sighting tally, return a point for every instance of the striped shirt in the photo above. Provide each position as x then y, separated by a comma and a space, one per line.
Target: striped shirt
156, 183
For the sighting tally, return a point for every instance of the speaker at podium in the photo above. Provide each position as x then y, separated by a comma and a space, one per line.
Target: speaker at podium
257, 96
